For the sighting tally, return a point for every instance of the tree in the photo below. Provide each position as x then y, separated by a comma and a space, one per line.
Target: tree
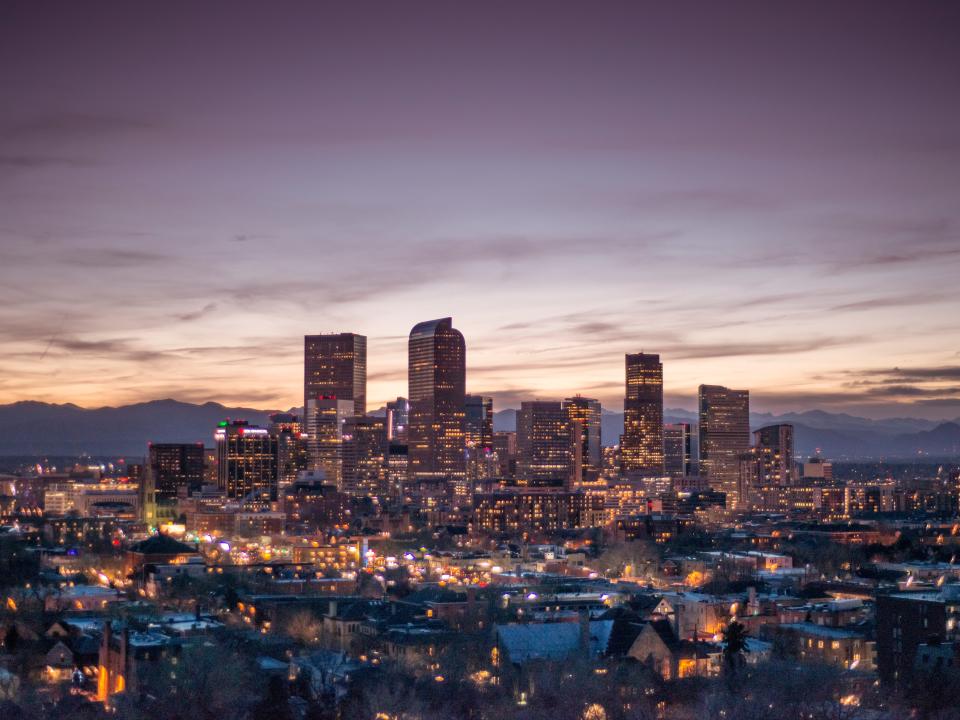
735, 645
636, 558
207, 681
304, 628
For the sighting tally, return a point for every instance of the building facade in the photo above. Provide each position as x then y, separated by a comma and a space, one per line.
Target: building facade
478, 426
292, 446
678, 450
548, 446
247, 461
724, 438
642, 443
175, 467
365, 453
335, 365
326, 416
773, 445
586, 413
437, 390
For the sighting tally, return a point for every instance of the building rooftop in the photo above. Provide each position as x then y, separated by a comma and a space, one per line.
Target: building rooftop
78, 591
823, 631
551, 641
161, 544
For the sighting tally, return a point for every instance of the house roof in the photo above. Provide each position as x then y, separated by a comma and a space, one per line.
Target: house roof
664, 629
436, 595
551, 641
161, 544
352, 610
823, 631
624, 633
85, 645
644, 602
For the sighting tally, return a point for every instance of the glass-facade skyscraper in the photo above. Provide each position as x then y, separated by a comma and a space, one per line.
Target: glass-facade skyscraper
478, 425
437, 390
247, 461
677, 450
365, 452
642, 445
586, 413
335, 366
774, 451
175, 467
724, 438
548, 445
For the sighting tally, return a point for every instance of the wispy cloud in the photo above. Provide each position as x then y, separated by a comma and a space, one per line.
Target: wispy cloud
68, 125
105, 257
892, 301
32, 162
196, 314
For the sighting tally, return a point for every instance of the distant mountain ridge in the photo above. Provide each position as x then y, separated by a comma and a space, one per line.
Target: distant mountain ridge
835, 435
35, 428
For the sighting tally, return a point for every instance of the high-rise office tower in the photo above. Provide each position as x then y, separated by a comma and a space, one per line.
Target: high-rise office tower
247, 461
397, 464
397, 426
773, 446
398, 418
335, 366
505, 448
325, 417
437, 387
587, 412
292, 448
677, 447
365, 454
548, 446
642, 445
478, 429
724, 438
175, 468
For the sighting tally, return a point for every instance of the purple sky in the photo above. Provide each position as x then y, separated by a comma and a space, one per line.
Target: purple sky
768, 197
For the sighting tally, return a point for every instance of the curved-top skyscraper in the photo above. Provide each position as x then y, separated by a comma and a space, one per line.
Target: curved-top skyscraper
437, 379
642, 446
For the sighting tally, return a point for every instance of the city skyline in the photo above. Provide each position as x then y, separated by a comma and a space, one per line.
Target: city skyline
494, 360
705, 189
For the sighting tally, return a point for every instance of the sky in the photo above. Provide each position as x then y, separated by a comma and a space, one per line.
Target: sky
766, 194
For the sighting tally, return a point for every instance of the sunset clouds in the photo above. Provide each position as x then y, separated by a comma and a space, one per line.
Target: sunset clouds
767, 198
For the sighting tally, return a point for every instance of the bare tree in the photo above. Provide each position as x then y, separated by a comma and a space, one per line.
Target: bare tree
304, 628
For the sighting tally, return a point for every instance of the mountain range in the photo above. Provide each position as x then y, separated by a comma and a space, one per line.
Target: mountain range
35, 428
833, 435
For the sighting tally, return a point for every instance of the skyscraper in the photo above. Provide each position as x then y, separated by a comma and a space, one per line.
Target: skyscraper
774, 452
397, 419
587, 412
548, 445
724, 438
175, 467
365, 453
293, 452
505, 448
642, 444
478, 428
677, 446
247, 461
325, 418
397, 427
437, 388
335, 365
